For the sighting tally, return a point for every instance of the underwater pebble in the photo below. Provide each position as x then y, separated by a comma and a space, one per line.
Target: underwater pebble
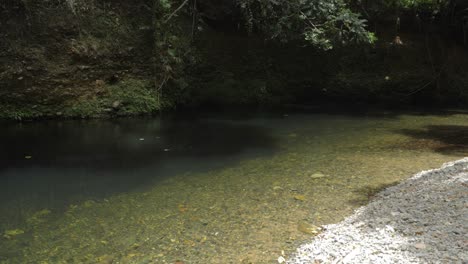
307, 228
299, 197
317, 175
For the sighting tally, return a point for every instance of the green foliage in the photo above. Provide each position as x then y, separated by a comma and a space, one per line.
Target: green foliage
165, 4
172, 47
321, 23
135, 96
84, 109
18, 112
378, 8
129, 97
409, 4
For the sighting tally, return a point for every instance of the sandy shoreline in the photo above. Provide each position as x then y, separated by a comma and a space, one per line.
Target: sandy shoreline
421, 220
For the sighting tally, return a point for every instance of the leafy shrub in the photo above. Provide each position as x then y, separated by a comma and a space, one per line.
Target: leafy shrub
135, 96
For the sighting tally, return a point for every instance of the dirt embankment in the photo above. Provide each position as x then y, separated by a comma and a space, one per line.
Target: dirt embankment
60, 57
93, 58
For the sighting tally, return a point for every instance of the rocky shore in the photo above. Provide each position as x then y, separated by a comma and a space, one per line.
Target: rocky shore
421, 220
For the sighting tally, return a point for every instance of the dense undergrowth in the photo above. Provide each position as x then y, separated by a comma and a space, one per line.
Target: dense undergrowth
82, 59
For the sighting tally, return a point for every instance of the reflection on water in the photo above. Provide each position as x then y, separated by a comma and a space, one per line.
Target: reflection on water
200, 190
125, 143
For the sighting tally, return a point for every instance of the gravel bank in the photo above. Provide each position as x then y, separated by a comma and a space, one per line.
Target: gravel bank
421, 220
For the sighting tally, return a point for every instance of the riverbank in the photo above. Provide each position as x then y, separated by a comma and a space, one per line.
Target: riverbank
422, 220
55, 66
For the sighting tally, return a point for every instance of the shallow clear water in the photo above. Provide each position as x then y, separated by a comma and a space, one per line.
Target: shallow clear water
209, 189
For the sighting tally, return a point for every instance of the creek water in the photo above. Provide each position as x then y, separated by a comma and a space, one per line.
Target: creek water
210, 188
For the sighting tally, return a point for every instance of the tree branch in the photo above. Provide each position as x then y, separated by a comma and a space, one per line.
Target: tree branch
175, 11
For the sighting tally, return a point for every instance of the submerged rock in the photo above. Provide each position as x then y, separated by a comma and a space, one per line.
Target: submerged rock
105, 259
12, 233
299, 197
317, 175
307, 228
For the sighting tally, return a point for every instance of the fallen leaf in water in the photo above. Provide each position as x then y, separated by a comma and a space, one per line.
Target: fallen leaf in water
299, 197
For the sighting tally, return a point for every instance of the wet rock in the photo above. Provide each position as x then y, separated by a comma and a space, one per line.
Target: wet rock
12, 233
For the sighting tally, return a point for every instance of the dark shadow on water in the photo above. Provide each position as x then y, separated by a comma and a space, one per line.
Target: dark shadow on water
57, 162
445, 139
125, 144
355, 110
367, 193
364, 110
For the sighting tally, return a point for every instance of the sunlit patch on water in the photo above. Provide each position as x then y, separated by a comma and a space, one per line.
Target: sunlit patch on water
206, 190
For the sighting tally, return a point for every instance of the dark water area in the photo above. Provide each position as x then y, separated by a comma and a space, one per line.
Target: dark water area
67, 161
214, 187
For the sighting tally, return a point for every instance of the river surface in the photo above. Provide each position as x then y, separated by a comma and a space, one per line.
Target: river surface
202, 189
